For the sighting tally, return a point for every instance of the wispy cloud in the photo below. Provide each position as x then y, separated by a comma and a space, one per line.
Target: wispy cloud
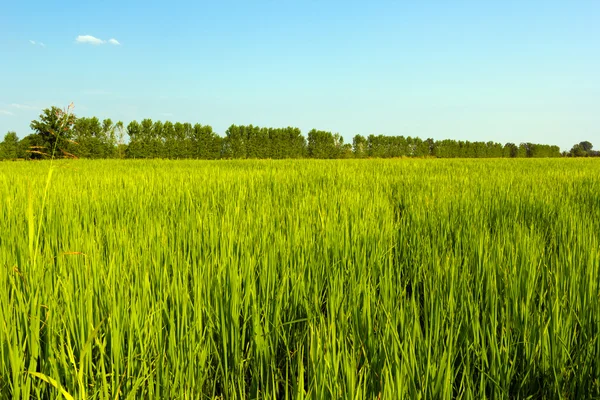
42, 44
32, 42
23, 106
6, 112
89, 39
97, 92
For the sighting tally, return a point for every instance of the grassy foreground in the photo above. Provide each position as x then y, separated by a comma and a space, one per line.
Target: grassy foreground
358, 279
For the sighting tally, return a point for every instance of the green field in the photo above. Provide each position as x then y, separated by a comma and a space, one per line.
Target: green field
391, 279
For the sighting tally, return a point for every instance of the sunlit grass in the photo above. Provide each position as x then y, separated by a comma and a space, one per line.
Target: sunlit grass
300, 279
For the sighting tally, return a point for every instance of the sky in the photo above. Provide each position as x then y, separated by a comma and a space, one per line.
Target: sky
506, 71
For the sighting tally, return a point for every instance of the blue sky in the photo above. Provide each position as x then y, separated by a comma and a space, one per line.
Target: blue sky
507, 71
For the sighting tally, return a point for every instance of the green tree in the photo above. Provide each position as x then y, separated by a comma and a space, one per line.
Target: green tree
170, 142
510, 150
420, 148
93, 139
278, 143
586, 146
257, 141
294, 144
345, 151
55, 129
321, 144
29, 147
582, 149
180, 145
360, 146
9, 148
157, 140
234, 145
446, 148
109, 134
120, 146
146, 138
375, 146
135, 147
543, 150
206, 143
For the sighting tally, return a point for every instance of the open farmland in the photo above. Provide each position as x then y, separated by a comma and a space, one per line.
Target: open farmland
300, 279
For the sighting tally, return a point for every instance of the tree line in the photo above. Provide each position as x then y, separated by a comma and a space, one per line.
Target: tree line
58, 133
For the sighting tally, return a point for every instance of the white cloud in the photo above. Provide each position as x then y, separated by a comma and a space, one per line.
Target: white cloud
32, 42
5, 112
42, 44
89, 40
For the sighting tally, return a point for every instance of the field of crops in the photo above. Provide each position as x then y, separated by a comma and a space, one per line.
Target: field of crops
299, 279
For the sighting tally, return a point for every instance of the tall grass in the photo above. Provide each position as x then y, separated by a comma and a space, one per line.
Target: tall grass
301, 279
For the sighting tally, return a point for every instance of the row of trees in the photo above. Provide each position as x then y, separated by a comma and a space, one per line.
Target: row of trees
60, 133
182, 140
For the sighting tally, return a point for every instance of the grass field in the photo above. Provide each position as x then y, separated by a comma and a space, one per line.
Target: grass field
357, 279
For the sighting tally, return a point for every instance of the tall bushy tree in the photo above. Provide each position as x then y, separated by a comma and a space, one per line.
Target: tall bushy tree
145, 139
345, 151
29, 147
169, 141
415, 147
55, 129
234, 145
109, 136
135, 148
260, 142
179, 144
94, 139
543, 150
120, 146
510, 150
586, 146
287, 143
298, 142
256, 141
85, 131
9, 148
445, 148
422, 148
583, 149
321, 144
184, 135
157, 140
277, 142
206, 143
360, 146
374, 147
495, 150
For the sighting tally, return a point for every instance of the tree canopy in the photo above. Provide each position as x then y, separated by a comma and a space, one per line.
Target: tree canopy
583, 149
54, 129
